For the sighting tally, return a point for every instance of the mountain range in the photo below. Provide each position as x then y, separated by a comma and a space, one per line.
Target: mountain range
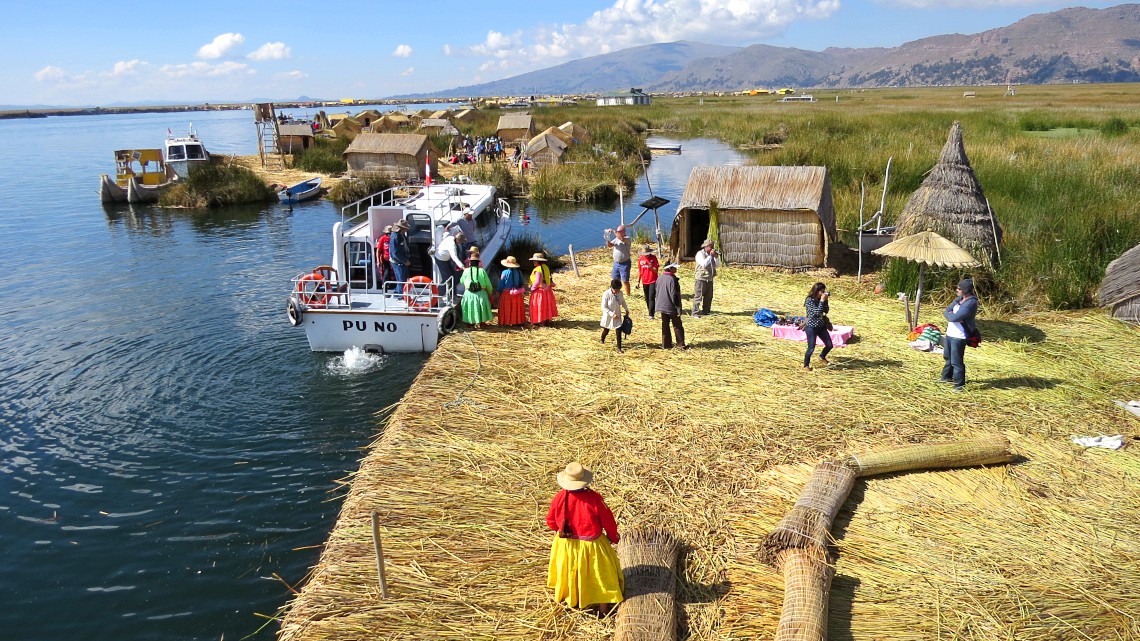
1069, 45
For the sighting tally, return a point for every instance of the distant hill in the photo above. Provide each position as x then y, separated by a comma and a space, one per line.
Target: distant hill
1070, 45
620, 70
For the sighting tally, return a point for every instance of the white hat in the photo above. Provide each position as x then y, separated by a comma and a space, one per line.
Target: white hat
575, 477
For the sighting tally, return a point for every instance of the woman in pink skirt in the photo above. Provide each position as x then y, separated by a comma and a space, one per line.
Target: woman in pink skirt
543, 307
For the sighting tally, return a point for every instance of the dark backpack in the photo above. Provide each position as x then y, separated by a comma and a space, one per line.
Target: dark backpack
475, 286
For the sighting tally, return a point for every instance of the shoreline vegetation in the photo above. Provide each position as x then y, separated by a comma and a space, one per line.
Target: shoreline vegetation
715, 444
1059, 164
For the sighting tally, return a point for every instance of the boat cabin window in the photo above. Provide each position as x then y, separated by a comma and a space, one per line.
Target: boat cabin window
176, 152
195, 152
418, 223
358, 255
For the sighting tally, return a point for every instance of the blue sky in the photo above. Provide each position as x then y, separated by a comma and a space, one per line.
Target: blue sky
87, 52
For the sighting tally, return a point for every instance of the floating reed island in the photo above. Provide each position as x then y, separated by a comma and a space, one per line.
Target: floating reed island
715, 446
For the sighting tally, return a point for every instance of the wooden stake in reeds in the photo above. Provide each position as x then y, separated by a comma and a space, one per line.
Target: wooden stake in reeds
649, 562
932, 456
379, 554
809, 521
807, 588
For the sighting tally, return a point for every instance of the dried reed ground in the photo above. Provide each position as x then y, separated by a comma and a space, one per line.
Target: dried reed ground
715, 444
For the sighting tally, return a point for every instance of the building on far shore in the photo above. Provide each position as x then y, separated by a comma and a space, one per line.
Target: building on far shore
634, 96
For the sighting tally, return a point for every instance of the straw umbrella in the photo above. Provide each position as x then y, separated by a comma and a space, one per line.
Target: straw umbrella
927, 248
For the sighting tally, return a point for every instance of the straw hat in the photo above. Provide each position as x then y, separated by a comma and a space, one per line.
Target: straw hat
400, 224
387, 229
708, 243
647, 250
574, 477
538, 256
671, 267
509, 261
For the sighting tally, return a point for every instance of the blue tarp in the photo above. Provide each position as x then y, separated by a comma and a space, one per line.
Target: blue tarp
765, 317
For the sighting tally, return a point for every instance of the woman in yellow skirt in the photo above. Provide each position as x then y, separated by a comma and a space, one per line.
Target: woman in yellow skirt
584, 569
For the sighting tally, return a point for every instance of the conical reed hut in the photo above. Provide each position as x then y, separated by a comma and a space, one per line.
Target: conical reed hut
1120, 288
951, 202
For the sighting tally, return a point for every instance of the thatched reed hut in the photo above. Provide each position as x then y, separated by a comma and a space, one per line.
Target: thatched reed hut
465, 115
401, 121
335, 118
437, 127
515, 128
1120, 288
559, 134
442, 113
292, 138
576, 132
367, 117
951, 202
347, 128
400, 156
384, 125
545, 149
771, 216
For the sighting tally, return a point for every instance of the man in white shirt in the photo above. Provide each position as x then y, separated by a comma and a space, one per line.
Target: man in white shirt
707, 260
447, 257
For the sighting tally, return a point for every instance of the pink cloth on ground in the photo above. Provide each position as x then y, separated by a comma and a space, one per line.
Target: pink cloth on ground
839, 334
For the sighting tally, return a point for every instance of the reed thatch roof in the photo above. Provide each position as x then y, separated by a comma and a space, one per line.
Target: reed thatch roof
369, 143
576, 131
441, 125
779, 188
295, 130
951, 201
546, 149
1121, 282
442, 113
464, 115
516, 121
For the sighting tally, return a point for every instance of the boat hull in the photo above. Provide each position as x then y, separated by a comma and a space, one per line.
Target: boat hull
110, 191
329, 330
300, 192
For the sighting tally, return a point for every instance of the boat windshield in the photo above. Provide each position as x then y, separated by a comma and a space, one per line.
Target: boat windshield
195, 152
176, 152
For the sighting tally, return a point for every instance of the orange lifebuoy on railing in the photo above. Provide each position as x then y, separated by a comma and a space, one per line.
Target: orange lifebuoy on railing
420, 294
311, 289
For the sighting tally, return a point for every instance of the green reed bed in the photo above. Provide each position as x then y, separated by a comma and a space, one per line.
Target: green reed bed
218, 184
585, 175
326, 156
1066, 205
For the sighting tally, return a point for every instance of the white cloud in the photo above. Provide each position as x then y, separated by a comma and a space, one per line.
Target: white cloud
128, 67
272, 51
206, 70
50, 74
220, 46
446, 49
407, 72
292, 75
629, 23
402, 51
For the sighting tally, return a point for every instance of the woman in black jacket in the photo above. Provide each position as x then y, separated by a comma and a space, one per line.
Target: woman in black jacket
816, 326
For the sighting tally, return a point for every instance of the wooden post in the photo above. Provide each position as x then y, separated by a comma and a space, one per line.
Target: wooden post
574, 261
379, 554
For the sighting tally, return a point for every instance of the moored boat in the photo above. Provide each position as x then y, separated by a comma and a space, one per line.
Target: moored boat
301, 192
140, 177
347, 303
183, 152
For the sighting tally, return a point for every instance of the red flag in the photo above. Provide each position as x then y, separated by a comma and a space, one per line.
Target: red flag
427, 168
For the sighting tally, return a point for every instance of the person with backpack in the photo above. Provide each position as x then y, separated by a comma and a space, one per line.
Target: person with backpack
613, 303
476, 301
961, 316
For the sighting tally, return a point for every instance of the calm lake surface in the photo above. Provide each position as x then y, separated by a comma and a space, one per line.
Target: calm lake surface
168, 444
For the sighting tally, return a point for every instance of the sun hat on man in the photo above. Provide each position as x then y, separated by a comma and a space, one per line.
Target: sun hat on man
647, 250
400, 224
708, 243
574, 477
671, 267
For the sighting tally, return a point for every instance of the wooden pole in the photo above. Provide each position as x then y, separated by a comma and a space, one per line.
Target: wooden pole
918, 298
379, 554
574, 261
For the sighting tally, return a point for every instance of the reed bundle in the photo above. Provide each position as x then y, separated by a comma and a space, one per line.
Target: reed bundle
807, 584
699, 442
808, 523
932, 456
649, 562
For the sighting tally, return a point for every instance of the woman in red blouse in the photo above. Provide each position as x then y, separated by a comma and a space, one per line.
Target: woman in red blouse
584, 569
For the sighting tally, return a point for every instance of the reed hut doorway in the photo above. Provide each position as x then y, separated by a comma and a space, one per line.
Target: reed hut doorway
697, 223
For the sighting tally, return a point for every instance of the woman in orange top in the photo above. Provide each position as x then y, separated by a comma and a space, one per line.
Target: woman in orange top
584, 569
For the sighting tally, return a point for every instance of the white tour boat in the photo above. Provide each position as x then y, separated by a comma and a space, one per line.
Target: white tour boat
182, 152
346, 304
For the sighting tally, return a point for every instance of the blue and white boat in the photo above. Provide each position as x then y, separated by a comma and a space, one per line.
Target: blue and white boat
301, 192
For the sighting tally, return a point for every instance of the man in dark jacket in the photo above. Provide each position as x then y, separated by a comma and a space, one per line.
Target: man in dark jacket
399, 251
668, 305
960, 314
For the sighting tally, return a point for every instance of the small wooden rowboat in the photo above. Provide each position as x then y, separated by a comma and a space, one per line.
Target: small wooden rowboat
300, 192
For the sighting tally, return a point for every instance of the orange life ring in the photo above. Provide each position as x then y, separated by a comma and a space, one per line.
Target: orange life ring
416, 292
311, 289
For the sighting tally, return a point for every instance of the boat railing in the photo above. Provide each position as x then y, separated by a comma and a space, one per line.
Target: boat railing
413, 295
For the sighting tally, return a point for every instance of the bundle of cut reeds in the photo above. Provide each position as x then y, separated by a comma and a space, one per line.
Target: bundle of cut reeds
808, 524
932, 456
649, 562
807, 586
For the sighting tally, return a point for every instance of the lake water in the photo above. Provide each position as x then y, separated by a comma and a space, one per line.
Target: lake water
168, 444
